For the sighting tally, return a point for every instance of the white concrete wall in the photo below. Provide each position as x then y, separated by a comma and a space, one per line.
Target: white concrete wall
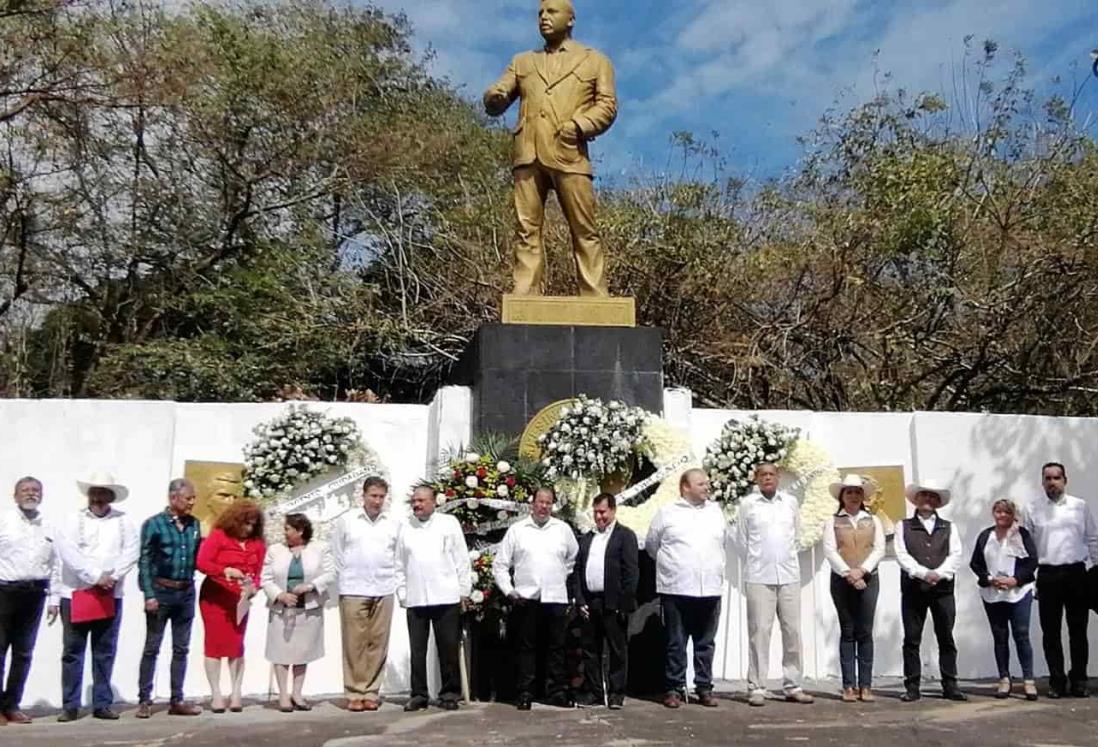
147, 443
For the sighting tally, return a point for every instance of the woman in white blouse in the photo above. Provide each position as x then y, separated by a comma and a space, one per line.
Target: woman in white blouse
1005, 563
854, 544
295, 578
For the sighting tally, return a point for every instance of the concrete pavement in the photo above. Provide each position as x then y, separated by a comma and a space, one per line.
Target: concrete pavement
982, 721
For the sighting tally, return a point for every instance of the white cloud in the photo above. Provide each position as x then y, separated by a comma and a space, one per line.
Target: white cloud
745, 66
803, 54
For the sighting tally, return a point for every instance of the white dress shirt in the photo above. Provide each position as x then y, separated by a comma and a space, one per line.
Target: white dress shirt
432, 562
364, 553
949, 566
90, 546
1065, 531
1001, 558
766, 533
542, 558
26, 547
687, 542
595, 573
831, 545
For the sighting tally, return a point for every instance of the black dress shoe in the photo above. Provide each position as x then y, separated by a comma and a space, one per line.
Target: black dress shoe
954, 694
1079, 691
417, 703
1055, 693
67, 715
616, 702
524, 702
105, 713
910, 696
448, 705
560, 700
586, 700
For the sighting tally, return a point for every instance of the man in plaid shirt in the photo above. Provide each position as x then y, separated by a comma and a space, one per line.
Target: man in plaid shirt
169, 545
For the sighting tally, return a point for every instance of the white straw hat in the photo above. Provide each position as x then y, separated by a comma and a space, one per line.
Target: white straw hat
102, 479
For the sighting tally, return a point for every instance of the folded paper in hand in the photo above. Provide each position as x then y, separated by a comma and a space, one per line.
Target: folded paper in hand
88, 605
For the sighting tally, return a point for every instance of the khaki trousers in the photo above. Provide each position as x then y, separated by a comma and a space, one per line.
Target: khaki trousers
763, 601
576, 194
364, 623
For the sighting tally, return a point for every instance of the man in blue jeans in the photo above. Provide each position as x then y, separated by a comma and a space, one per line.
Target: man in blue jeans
687, 540
98, 546
169, 546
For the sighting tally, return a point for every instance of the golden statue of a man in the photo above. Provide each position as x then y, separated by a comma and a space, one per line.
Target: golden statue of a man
567, 99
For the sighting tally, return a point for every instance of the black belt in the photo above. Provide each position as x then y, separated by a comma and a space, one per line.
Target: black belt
1066, 566
28, 585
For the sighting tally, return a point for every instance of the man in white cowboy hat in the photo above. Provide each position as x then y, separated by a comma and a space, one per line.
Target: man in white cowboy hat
98, 545
766, 535
929, 551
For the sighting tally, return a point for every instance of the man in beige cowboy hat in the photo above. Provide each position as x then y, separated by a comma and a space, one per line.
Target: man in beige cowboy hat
929, 550
98, 545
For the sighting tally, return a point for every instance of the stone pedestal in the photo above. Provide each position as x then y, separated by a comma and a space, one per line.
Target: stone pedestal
515, 370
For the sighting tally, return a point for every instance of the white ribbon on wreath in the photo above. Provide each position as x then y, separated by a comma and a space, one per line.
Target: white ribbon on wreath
668, 449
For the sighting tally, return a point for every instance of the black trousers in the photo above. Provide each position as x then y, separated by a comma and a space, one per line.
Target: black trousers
605, 629
20, 612
529, 619
914, 604
1060, 590
445, 619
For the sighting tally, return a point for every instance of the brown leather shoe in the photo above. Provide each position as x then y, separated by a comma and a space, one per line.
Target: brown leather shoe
17, 717
672, 700
371, 705
849, 695
144, 711
707, 700
184, 709
867, 695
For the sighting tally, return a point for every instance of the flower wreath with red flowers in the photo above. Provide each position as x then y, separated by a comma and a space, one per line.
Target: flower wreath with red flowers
485, 490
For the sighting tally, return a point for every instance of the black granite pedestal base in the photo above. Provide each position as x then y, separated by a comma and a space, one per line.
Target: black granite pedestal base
517, 369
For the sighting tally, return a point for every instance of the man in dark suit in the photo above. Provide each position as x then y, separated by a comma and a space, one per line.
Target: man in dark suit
604, 588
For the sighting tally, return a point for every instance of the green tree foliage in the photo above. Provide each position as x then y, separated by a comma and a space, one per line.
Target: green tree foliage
225, 201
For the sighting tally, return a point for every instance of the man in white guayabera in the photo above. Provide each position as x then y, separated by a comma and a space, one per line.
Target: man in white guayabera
766, 535
687, 540
363, 544
540, 551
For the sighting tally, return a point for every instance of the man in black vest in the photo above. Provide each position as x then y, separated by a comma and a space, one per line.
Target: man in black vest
604, 589
929, 550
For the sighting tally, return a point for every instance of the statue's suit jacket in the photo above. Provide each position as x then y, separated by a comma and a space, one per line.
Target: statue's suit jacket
580, 90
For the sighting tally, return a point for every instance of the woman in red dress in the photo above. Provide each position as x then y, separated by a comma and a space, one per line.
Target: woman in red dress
232, 558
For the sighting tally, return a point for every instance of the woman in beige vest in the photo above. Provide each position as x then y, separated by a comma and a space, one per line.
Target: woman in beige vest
854, 544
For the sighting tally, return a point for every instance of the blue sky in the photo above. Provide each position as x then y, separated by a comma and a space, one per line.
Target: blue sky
759, 72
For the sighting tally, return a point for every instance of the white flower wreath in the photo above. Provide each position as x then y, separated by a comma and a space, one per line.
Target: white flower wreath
306, 461
665, 447
664, 444
808, 471
592, 438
